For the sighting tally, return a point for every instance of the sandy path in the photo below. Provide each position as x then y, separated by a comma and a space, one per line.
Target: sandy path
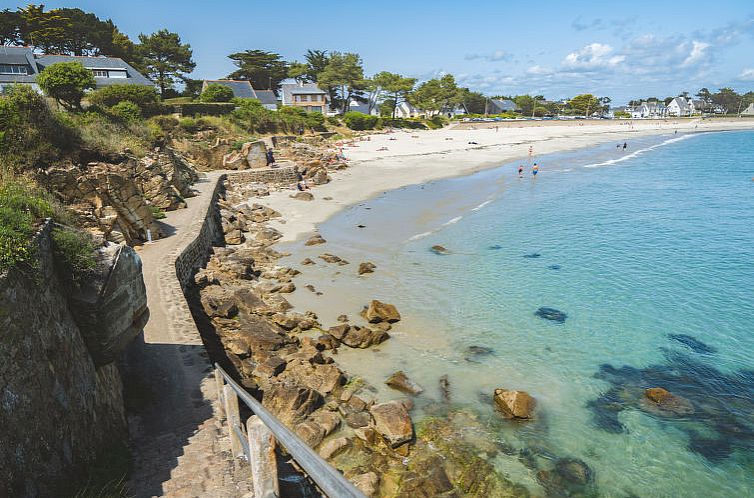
414, 157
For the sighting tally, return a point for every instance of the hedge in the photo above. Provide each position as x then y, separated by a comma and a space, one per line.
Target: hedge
205, 108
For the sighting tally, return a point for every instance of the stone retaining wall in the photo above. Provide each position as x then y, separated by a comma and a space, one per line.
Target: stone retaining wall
280, 176
196, 253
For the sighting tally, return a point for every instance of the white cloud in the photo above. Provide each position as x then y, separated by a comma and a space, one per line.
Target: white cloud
593, 56
746, 75
698, 53
496, 56
538, 70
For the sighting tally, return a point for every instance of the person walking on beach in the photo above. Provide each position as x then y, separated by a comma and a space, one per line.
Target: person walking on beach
534, 170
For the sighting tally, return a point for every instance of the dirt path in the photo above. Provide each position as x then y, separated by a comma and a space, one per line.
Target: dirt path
179, 448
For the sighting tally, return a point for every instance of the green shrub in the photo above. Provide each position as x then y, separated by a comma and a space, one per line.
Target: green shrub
21, 209
414, 124
216, 92
145, 97
74, 253
436, 122
157, 213
165, 123
358, 121
126, 111
66, 82
192, 125
206, 108
334, 121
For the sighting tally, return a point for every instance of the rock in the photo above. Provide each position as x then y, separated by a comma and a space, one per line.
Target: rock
328, 342
320, 177
303, 196
310, 432
329, 421
271, 367
393, 422
514, 404
363, 337
473, 353
660, 401
291, 403
234, 237
400, 381
693, 343
255, 154
551, 314
366, 268
573, 470
439, 250
331, 258
308, 261
342, 318
331, 448
367, 483
218, 302
339, 331
445, 388
378, 312
358, 419
533, 255
315, 240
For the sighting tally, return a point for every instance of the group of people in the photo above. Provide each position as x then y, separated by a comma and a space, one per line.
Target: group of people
534, 170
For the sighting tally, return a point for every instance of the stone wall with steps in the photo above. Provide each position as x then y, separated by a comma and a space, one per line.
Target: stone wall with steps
287, 175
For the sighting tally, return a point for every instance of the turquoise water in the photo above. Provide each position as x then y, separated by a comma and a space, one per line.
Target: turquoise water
649, 253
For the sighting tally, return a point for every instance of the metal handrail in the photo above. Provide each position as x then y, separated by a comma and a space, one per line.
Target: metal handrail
328, 479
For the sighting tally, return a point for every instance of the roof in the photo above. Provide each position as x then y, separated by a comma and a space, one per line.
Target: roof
680, 102
18, 56
134, 77
290, 89
504, 104
266, 97
241, 88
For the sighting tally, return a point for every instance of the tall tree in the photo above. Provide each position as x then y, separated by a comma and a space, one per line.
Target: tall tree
474, 102
262, 69
84, 34
585, 104
165, 58
727, 99
10, 22
44, 30
436, 95
396, 87
345, 74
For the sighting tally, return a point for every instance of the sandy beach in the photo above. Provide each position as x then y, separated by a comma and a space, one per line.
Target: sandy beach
387, 161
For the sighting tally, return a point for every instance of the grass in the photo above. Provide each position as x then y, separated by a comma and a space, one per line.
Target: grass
74, 253
22, 207
107, 474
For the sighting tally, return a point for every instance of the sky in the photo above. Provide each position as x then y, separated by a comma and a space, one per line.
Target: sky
553, 48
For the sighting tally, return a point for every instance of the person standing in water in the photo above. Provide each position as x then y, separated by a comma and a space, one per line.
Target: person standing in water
521, 171
625, 144
534, 169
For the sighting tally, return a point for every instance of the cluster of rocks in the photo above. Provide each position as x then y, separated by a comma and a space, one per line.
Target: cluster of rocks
251, 155
118, 197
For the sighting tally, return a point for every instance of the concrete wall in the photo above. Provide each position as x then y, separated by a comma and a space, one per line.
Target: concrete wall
58, 410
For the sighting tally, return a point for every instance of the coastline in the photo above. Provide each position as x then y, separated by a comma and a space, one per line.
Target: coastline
446, 153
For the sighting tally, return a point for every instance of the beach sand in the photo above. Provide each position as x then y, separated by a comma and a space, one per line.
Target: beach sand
419, 156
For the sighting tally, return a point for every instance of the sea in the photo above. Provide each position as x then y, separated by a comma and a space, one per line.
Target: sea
612, 271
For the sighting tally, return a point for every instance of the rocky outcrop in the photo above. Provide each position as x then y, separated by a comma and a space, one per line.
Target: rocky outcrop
251, 155
400, 381
514, 404
378, 312
392, 421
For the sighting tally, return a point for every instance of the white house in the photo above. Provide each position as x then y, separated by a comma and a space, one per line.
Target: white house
749, 111
648, 110
681, 106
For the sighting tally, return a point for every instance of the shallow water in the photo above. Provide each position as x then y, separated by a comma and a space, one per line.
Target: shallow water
649, 253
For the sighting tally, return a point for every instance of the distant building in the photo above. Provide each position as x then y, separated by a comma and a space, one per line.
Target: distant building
681, 106
749, 111
648, 110
21, 65
307, 96
501, 106
242, 89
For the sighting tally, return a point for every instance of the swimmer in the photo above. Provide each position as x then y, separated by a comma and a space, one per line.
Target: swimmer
521, 171
534, 170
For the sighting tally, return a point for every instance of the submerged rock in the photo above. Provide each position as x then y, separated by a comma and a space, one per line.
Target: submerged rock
551, 314
400, 381
331, 258
438, 249
554, 267
514, 404
445, 388
495, 247
692, 343
473, 353
366, 267
532, 255
661, 401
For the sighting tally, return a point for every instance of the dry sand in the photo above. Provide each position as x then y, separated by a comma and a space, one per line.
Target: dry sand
414, 157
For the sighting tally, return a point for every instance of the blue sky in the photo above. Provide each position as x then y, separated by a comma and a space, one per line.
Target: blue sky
556, 48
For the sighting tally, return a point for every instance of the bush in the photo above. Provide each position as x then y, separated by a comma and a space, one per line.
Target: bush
66, 82
334, 121
358, 121
145, 97
165, 123
206, 108
21, 209
436, 122
216, 92
126, 111
192, 125
74, 253
414, 124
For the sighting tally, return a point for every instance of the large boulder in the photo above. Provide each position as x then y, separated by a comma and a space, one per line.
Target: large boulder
514, 404
393, 422
291, 403
400, 381
255, 154
378, 311
662, 402
218, 301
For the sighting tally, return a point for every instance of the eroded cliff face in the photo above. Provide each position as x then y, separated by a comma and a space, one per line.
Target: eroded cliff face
61, 396
118, 197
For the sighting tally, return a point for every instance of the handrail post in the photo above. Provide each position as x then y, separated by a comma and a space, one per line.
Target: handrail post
219, 383
262, 460
233, 418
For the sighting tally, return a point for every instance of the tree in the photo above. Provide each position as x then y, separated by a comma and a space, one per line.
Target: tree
10, 23
345, 74
396, 87
263, 69
66, 82
727, 99
165, 58
585, 104
84, 33
474, 102
525, 103
436, 95
44, 30
216, 93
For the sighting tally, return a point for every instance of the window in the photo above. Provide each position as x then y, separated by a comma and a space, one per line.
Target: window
315, 98
304, 98
117, 74
13, 69
99, 73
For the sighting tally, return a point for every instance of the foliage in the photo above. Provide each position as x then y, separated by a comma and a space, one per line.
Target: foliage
334, 121
344, 73
22, 207
436, 122
436, 95
145, 97
396, 87
358, 121
206, 108
126, 111
585, 104
165, 123
74, 253
165, 58
66, 82
253, 117
30, 133
192, 125
316, 61
413, 123
474, 102
622, 114
157, 213
216, 92
263, 69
